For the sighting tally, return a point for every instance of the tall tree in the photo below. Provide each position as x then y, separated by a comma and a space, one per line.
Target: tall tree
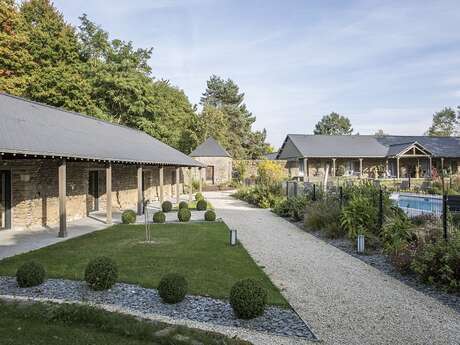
445, 123
226, 96
333, 124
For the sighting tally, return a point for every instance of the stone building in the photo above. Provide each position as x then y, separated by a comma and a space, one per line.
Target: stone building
217, 161
58, 165
370, 156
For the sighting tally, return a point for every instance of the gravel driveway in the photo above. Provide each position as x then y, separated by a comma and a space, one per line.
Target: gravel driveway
344, 300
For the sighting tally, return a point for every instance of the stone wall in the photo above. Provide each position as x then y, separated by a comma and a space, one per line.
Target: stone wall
222, 169
250, 166
35, 193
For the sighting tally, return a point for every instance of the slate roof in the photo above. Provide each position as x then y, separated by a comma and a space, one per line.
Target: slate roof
349, 146
28, 127
209, 148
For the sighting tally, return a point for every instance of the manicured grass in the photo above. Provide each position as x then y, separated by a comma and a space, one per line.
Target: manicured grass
199, 251
53, 324
192, 206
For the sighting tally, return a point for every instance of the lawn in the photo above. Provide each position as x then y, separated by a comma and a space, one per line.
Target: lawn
52, 324
192, 206
199, 251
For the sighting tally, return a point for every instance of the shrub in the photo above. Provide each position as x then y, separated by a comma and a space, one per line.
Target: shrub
172, 288
269, 173
324, 215
422, 219
199, 196
282, 208
397, 232
210, 216
358, 215
439, 263
101, 273
159, 217
166, 206
184, 215
201, 205
262, 196
248, 299
30, 274
402, 259
128, 217
183, 204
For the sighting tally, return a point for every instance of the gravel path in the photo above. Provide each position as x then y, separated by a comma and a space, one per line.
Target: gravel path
344, 300
275, 320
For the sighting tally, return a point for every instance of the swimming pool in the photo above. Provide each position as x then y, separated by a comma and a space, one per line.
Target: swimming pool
414, 204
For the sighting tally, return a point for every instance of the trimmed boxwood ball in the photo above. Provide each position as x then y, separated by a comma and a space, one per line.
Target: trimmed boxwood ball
210, 216
173, 288
199, 196
101, 273
166, 206
159, 217
201, 205
30, 274
248, 299
183, 204
184, 215
128, 217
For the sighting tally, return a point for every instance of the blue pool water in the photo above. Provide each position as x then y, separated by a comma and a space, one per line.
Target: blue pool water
423, 204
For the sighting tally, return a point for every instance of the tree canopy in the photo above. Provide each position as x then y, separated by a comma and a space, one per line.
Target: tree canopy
333, 124
445, 123
45, 59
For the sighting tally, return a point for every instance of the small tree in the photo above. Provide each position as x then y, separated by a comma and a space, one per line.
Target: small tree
333, 124
269, 172
444, 124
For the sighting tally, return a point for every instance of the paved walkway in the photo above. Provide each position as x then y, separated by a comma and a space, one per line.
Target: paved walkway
344, 300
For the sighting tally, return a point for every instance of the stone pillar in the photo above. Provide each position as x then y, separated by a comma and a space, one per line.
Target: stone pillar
190, 184
177, 185
200, 175
397, 167
162, 190
62, 199
305, 169
108, 187
333, 167
140, 193
360, 167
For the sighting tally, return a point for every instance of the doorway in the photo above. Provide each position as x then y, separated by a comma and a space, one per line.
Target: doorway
93, 191
210, 174
5, 199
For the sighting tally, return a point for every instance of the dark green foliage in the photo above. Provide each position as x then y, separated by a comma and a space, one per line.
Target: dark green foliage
422, 219
166, 206
101, 273
260, 195
128, 217
333, 124
445, 123
172, 288
438, 263
396, 234
30, 274
159, 217
293, 207
201, 205
184, 215
199, 196
248, 299
210, 216
183, 204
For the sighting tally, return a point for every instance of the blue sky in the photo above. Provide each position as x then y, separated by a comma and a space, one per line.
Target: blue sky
384, 64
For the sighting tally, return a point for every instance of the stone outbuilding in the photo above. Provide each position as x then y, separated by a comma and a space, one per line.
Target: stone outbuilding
57, 165
218, 162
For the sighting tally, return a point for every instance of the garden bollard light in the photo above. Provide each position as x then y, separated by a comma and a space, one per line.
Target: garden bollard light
360, 244
233, 237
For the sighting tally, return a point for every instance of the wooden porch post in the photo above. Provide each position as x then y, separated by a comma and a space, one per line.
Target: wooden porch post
62, 199
333, 167
162, 195
360, 167
177, 185
386, 169
190, 185
108, 187
140, 194
442, 166
431, 166
417, 169
200, 176
305, 169
397, 167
